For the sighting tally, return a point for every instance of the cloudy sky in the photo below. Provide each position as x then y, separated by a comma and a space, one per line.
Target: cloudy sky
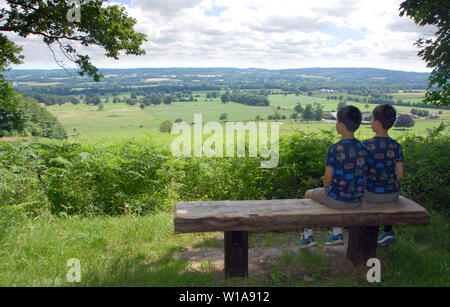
272, 34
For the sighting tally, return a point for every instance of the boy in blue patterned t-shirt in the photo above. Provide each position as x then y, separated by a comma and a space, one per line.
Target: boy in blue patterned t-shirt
384, 165
344, 174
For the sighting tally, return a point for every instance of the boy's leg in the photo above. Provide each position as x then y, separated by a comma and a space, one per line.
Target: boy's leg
380, 198
387, 237
308, 232
336, 237
307, 238
337, 231
321, 195
308, 194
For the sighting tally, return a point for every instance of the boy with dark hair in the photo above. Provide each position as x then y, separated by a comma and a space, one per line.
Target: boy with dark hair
384, 165
344, 174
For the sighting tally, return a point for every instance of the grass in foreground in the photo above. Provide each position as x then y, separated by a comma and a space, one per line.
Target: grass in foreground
139, 251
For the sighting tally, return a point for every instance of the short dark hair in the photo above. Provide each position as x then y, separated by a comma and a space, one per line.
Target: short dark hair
386, 115
350, 116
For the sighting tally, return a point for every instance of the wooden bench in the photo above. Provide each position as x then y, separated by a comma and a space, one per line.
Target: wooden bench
236, 218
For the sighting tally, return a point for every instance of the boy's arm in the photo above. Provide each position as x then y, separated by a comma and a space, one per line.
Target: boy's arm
328, 177
399, 170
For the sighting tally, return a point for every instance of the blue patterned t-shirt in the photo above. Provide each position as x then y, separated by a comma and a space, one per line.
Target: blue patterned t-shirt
347, 157
382, 154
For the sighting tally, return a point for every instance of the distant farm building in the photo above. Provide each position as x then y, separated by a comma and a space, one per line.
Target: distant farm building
433, 116
405, 114
366, 118
330, 116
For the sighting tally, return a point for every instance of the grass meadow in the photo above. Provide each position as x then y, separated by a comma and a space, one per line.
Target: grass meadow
140, 251
122, 120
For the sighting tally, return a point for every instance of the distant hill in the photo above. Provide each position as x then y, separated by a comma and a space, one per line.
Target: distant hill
370, 75
339, 75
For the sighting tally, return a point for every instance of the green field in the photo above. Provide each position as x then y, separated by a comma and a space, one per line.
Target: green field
290, 101
122, 120
115, 120
211, 111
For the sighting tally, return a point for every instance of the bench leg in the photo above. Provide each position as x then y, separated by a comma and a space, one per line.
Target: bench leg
362, 244
236, 254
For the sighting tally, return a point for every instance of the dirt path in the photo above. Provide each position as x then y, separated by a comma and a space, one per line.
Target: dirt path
17, 138
279, 251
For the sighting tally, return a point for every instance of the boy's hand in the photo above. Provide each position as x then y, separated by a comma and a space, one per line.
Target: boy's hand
328, 177
399, 170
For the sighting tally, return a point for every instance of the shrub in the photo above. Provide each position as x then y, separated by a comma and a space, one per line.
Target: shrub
404, 120
420, 112
142, 176
86, 179
166, 126
427, 169
30, 119
223, 117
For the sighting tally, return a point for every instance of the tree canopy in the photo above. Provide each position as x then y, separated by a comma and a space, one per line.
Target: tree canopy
434, 51
30, 119
404, 120
107, 26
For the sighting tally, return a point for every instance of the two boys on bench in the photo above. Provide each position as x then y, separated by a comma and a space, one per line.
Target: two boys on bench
355, 171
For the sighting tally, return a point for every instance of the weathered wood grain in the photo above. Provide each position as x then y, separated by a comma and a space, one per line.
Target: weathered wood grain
248, 215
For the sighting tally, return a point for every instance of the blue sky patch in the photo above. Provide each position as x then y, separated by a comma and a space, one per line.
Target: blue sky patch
127, 2
215, 11
343, 33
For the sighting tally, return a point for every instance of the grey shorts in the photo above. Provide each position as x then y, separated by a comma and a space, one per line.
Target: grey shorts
380, 198
321, 195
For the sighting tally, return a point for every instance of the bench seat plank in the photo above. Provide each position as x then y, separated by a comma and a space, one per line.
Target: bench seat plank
284, 214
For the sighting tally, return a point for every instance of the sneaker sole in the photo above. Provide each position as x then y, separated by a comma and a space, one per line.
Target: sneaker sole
308, 245
387, 241
336, 243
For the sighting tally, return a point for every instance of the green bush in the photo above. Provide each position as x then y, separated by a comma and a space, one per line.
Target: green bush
114, 179
301, 166
166, 126
218, 179
427, 169
30, 119
143, 177
91, 179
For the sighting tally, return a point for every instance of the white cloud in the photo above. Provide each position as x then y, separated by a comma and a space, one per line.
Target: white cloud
406, 25
167, 8
266, 33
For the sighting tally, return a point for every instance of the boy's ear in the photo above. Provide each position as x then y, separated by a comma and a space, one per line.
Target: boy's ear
342, 127
377, 123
